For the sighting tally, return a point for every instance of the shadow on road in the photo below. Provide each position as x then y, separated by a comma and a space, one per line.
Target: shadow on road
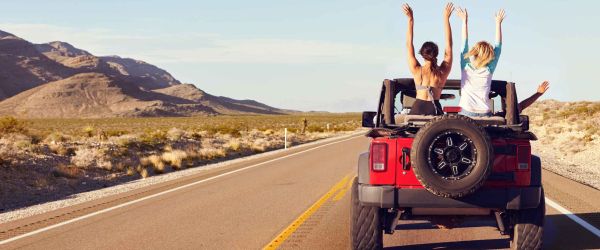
471, 244
560, 232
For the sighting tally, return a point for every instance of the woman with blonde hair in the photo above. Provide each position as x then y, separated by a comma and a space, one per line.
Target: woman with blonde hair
429, 78
477, 68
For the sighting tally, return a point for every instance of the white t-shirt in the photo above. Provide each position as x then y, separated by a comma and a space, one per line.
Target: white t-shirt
475, 84
475, 87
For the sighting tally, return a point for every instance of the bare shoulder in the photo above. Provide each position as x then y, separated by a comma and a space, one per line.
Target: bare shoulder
445, 68
416, 70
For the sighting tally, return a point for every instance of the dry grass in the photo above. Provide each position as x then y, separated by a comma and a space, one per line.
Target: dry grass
232, 125
569, 138
154, 145
571, 126
10, 125
175, 158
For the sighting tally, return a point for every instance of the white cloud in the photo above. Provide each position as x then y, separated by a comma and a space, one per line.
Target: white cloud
275, 51
203, 48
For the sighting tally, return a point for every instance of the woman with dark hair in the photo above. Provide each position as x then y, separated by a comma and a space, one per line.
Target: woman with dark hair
429, 78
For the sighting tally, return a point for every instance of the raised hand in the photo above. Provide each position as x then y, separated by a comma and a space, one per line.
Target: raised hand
462, 13
543, 87
500, 16
407, 11
448, 10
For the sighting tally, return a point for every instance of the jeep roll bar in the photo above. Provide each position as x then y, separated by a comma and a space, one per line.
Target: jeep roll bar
390, 89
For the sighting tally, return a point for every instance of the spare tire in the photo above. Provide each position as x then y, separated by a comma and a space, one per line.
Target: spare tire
452, 156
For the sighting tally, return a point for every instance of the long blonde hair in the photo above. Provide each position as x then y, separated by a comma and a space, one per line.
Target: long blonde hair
483, 54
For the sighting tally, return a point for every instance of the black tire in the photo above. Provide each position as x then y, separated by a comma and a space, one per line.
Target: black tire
476, 158
529, 227
536, 171
366, 230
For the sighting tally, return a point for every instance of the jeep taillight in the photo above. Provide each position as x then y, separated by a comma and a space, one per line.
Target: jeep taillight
523, 157
379, 157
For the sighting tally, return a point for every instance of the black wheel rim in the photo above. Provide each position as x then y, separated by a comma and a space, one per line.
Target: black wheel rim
452, 155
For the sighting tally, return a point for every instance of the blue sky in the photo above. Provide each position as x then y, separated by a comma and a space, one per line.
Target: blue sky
317, 55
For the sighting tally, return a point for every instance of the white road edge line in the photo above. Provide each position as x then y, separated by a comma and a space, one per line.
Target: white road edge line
574, 217
163, 193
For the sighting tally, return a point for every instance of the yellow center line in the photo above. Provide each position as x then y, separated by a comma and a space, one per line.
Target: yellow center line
304, 216
343, 192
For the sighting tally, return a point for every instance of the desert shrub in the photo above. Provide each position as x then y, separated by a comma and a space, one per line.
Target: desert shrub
233, 145
55, 137
66, 171
157, 164
212, 153
88, 131
175, 134
175, 158
196, 135
125, 141
587, 138
115, 132
41, 182
225, 130
153, 137
104, 164
88, 157
24, 144
144, 172
315, 128
20, 141
61, 149
10, 125
259, 145
130, 171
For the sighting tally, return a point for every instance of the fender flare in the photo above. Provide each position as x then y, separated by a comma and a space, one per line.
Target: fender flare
363, 169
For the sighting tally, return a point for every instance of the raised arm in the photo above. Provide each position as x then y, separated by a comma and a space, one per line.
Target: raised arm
499, 18
540, 91
413, 64
464, 16
498, 47
447, 64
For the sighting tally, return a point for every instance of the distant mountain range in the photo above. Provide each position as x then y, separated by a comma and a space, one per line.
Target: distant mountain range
56, 79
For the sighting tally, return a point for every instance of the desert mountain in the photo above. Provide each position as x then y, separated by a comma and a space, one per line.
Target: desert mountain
93, 95
152, 77
23, 67
220, 104
57, 79
155, 76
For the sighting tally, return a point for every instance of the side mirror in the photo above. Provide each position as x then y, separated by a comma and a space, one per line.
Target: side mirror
524, 122
367, 119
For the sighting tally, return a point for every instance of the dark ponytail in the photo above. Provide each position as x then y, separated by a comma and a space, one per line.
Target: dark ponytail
429, 51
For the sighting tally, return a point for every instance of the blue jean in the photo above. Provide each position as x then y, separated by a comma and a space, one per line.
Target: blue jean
473, 114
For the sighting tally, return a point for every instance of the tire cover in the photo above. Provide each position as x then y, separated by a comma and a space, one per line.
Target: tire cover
452, 156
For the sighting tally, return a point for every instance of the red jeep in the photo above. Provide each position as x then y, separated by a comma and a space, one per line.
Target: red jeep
447, 168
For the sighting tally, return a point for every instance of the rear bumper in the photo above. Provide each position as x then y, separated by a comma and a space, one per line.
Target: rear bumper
502, 198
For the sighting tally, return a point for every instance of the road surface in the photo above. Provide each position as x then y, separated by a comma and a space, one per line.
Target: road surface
297, 199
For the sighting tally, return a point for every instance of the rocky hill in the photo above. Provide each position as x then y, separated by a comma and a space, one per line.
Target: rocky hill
95, 95
220, 104
23, 67
56, 79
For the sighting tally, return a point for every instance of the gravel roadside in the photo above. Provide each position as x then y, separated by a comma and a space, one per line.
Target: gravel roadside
140, 183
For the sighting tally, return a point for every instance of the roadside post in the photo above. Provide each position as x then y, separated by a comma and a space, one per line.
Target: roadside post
285, 138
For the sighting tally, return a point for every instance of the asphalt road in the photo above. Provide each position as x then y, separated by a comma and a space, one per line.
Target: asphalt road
300, 201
